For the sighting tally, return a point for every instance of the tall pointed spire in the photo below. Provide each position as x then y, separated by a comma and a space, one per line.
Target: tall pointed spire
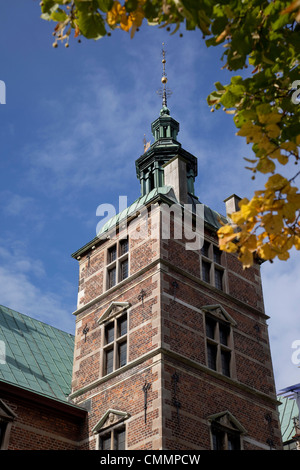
164, 92
150, 165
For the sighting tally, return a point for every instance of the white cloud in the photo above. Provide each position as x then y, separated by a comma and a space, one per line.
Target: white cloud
21, 290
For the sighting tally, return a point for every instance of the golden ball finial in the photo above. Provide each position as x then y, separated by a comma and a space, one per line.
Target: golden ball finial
164, 80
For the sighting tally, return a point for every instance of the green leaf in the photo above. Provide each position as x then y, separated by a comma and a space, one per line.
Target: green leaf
90, 23
131, 5
105, 5
59, 15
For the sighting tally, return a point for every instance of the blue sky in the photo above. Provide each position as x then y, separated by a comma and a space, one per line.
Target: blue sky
71, 129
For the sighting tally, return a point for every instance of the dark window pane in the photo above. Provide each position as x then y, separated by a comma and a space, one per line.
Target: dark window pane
123, 247
212, 356
210, 328
123, 354
205, 271
109, 333
2, 431
105, 442
233, 442
224, 333
205, 249
225, 360
112, 254
218, 439
109, 361
219, 279
122, 323
112, 277
217, 255
124, 269
120, 440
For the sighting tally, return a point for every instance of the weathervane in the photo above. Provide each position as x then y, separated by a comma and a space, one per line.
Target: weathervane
164, 91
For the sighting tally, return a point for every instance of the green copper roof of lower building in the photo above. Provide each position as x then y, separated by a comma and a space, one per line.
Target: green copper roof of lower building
288, 410
34, 355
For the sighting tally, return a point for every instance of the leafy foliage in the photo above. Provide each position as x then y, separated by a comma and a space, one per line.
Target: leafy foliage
260, 34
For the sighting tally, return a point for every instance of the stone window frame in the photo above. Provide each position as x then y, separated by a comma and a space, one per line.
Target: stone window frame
223, 321
111, 423
115, 264
223, 426
213, 257
112, 434
115, 344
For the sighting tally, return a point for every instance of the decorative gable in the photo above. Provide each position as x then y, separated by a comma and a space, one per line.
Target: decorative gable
113, 310
110, 418
219, 312
226, 420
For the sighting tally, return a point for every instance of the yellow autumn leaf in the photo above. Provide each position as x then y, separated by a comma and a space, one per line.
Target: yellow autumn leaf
272, 223
289, 146
113, 16
276, 182
297, 243
273, 130
265, 165
250, 242
265, 252
270, 118
237, 217
246, 257
283, 256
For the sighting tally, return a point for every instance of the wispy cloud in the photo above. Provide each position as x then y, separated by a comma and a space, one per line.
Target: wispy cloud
23, 281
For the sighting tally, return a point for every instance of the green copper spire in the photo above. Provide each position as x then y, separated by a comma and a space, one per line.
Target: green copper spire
150, 165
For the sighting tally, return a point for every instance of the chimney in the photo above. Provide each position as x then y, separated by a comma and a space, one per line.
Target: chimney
175, 175
232, 204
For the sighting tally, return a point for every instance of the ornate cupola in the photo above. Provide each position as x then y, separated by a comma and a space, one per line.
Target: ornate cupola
150, 165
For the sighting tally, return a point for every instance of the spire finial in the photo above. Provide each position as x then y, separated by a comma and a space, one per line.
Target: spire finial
164, 91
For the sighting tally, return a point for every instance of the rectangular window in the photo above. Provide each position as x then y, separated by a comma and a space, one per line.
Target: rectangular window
225, 440
124, 269
115, 347
122, 324
117, 263
113, 439
212, 356
217, 255
212, 271
109, 361
206, 271
218, 345
224, 334
123, 247
219, 279
210, 328
112, 277
225, 360
112, 254
120, 440
205, 249
109, 332
122, 354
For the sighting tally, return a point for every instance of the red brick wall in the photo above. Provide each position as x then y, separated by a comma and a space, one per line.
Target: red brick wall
37, 427
167, 329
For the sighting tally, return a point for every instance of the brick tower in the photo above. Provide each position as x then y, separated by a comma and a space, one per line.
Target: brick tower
171, 344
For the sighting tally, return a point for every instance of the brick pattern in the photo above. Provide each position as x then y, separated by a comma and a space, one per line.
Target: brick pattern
38, 428
166, 333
